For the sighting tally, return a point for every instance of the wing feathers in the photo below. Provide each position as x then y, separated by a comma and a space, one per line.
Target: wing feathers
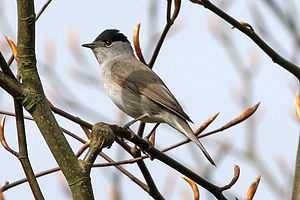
144, 81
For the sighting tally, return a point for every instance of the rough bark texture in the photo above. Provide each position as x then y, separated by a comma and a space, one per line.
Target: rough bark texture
36, 104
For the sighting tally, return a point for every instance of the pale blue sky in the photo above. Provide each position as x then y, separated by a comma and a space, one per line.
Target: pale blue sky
196, 69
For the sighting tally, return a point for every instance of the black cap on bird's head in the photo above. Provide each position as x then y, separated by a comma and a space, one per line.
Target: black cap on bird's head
108, 36
112, 35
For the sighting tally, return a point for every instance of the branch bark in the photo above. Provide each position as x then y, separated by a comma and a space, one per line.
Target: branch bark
247, 30
37, 105
101, 137
296, 188
23, 153
156, 154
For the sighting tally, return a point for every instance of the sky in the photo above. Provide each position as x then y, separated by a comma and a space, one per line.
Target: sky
197, 69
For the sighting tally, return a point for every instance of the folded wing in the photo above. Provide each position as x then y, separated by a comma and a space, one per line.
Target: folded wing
145, 82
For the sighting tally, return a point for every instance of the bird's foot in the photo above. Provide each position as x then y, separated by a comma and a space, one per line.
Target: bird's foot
127, 125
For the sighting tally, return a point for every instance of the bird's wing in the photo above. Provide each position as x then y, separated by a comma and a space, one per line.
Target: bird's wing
144, 81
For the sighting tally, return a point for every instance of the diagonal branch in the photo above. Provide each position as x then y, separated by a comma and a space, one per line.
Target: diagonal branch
170, 22
11, 86
42, 9
110, 161
247, 30
136, 153
154, 153
23, 153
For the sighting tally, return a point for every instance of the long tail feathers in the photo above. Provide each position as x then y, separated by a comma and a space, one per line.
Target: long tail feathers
192, 137
182, 126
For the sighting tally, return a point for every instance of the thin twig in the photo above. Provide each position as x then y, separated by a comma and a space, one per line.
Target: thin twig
42, 10
23, 153
276, 58
154, 153
170, 21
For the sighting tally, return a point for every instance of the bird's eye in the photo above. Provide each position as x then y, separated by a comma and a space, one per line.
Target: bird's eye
108, 43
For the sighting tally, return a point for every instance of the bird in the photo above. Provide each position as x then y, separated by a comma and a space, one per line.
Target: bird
135, 88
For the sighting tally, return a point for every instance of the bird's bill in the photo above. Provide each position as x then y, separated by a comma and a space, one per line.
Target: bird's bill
89, 45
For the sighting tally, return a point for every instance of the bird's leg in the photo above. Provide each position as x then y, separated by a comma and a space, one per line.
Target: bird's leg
127, 125
152, 131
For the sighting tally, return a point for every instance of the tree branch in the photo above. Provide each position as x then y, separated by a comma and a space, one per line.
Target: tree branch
110, 161
11, 86
296, 187
136, 153
156, 154
101, 137
170, 22
247, 30
23, 153
37, 105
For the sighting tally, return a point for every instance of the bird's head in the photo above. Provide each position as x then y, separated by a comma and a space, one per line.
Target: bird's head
109, 44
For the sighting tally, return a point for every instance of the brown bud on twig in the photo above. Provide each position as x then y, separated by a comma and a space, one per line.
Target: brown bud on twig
252, 189
136, 43
242, 117
247, 25
297, 104
206, 123
152, 138
1, 195
234, 179
3, 140
176, 10
12, 46
193, 186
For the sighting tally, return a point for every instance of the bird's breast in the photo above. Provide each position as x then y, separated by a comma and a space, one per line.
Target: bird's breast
128, 101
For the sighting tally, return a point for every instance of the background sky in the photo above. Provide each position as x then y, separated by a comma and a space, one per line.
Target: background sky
197, 69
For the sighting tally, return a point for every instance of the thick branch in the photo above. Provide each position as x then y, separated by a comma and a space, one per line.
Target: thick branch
103, 155
102, 136
11, 86
37, 105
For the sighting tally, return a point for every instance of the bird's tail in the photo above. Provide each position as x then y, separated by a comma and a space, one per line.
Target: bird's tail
183, 127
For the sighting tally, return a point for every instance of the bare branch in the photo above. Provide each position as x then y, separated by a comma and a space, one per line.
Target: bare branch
289, 66
42, 9
242, 117
166, 29
156, 154
23, 153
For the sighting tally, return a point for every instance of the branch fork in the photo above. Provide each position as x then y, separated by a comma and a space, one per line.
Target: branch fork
102, 136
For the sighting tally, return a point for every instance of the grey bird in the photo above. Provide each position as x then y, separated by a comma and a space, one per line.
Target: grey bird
135, 88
